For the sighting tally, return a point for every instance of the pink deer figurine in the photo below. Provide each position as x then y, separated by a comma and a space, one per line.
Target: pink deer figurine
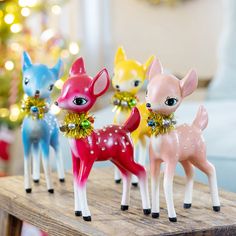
113, 142
171, 144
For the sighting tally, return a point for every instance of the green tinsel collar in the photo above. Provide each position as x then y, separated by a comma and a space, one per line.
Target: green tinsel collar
124, 100
34, 107
160, 124
77, 125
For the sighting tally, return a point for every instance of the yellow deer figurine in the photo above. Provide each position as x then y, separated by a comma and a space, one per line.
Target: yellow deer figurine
129, 76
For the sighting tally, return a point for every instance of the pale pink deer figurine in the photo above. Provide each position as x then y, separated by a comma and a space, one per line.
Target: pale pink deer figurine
170, 144
113, 142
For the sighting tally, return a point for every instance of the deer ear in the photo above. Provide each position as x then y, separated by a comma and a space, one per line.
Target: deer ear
155, 69
189, 83
26, 61
147, 64
120, 55
78, 67
100, 83
58, 69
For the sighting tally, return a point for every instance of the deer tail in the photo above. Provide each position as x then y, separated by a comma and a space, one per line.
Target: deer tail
201, 119
133, 121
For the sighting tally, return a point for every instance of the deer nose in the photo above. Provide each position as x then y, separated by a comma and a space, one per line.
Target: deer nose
148, 105
37, 92
117, 86
56, 103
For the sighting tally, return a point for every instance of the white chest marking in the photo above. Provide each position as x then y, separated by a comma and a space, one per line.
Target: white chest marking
121, 118
156, 144
73, 147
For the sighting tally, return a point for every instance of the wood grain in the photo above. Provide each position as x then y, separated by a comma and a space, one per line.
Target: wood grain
55, 213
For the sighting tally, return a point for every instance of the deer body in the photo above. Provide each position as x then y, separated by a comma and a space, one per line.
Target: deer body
112, 142
184, 144
129, 76
39, 134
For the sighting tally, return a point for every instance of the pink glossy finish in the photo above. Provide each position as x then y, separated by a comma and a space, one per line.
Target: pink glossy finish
185, 144
112, 142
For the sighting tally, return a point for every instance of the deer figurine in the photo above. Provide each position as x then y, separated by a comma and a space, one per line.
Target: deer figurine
170, 144
39, 129
112, 142
129, 77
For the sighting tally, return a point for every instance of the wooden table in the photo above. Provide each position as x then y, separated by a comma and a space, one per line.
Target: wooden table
54, 213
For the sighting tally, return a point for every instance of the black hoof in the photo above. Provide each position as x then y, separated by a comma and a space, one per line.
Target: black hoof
28, 190
146, 211
135, 184
62, 180
216, 208
87, 218
187, 205
172, 219
155, 215
78, 213
118, 181
51, 190
36, 181
124, 207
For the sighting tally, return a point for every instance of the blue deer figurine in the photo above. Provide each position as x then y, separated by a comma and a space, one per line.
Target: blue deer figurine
40, 129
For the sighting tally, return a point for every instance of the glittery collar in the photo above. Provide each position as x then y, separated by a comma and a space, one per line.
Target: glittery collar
124, 100
34, 107
77, 125
160, 124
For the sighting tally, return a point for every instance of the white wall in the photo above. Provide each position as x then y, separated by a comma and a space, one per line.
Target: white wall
183, 36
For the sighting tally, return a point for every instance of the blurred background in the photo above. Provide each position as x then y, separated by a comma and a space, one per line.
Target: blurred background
184, 34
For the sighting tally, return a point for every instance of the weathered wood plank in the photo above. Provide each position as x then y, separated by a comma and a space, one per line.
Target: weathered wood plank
54, 213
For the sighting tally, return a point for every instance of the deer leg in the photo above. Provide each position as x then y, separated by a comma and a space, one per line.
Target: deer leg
85, 168
126, 177
155, 165
36, 162
27, 162
168, 189
76, 168
59, 161
210, 171
117, 176
46, 164
136, 156
189, 171
128, 163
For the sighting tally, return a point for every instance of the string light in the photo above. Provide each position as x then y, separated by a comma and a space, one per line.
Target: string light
14, 113
59, 84
29, 3
56, 10
25, 11
74, 48
9, 18
16, 28
9, 65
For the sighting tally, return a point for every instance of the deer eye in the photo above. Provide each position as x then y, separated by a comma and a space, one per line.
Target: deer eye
171, 101
80, 101
50, 87
26, 80
136, 83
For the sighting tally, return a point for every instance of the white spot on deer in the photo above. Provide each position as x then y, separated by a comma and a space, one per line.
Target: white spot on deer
116, 131
110, 134
91, 152
103, 148
116, 143
104, 140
